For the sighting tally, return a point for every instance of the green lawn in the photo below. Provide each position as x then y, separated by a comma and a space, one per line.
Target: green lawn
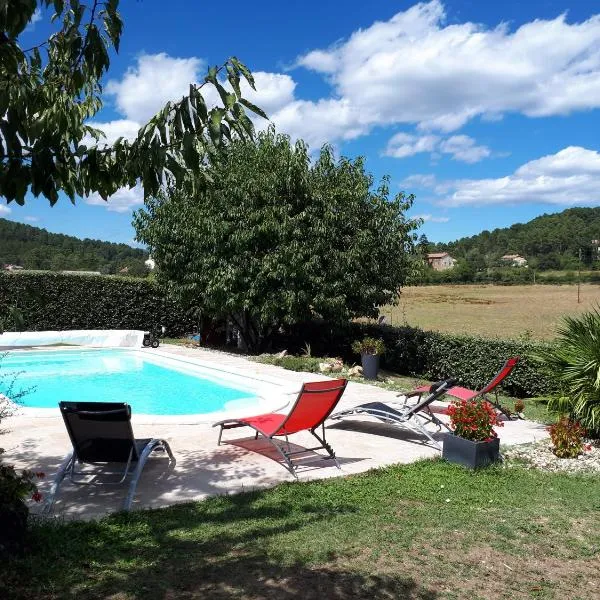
427, 530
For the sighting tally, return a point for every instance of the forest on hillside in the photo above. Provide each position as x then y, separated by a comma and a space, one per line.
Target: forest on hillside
548, 242
35, 248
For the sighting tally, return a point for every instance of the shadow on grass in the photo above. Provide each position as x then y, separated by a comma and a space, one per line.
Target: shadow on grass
234, 547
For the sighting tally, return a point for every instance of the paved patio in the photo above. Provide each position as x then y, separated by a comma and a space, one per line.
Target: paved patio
204, 469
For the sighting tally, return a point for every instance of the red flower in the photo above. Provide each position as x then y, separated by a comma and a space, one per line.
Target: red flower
36, 496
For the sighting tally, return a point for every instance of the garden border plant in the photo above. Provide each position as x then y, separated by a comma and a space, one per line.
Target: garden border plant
430, 355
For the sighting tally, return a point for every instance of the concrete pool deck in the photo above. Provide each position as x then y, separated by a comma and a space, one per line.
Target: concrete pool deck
204, 469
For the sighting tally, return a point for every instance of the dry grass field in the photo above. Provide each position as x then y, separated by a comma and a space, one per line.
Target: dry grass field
490, 310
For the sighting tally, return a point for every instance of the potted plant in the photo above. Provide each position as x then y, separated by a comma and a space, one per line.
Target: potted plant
473, 442
15, 488
370, 349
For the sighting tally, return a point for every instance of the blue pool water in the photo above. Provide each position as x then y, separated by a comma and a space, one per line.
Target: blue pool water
117, 376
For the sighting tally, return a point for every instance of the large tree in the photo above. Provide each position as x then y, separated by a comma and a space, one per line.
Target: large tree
50, 91
272, 240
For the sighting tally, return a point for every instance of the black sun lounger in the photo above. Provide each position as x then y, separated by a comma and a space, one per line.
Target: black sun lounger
414, 417
101, 433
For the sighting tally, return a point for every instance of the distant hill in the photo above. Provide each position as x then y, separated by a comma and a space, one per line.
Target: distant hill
547, 242
36, 248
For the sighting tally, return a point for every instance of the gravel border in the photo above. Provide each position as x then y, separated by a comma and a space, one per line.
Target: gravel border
539, 455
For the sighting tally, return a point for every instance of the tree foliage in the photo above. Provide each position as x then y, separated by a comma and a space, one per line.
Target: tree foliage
49, 92
35, 248
575, 359
548, 242
275, 240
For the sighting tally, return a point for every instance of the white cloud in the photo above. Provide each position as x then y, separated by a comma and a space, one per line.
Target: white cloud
460, 147
156, 79
124, 200
419, 180
5, 210
35, 18
569, 177
463, 148
402, 144
31, 219
415, 68
431, 219
113, 130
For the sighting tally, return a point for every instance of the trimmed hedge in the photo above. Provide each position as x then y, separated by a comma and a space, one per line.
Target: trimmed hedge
429, 354
57, 302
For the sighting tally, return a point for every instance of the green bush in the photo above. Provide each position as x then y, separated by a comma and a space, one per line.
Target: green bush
57, 302
575, 358
307, 364
418, 353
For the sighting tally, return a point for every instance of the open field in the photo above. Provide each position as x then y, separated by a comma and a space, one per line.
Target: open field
491, 311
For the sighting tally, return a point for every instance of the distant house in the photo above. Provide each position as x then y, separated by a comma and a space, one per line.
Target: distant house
12, 268
515, 260
440, 261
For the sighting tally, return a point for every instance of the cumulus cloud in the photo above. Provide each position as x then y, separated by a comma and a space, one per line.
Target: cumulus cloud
460, 147
464, 148
431, 219
5, 210
416, 68
153, 81
567, 178
123, 200
31, 219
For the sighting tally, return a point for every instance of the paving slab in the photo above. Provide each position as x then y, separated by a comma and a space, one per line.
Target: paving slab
203, 469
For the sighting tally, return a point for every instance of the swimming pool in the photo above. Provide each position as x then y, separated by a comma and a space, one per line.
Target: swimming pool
151, 385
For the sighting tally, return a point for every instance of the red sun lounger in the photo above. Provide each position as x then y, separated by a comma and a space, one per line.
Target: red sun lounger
314, 404
463, 393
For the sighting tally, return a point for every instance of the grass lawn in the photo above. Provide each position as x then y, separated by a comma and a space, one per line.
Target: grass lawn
422, 531
491, 310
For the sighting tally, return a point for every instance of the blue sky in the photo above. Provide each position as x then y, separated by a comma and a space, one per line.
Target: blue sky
487, 111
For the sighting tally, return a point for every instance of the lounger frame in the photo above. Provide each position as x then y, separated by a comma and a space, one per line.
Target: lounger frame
134, 465
414, 417
286, 452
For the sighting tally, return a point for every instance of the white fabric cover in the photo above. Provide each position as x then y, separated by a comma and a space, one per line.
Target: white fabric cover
124, 338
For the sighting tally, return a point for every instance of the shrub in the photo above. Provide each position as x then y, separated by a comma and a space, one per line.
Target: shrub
308, 364
575, 359
473, 420
413, 352
14, 487
55, 301
567, 438
519, 406
368, 345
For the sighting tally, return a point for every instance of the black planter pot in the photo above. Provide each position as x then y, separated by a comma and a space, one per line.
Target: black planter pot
470, 454
370, 365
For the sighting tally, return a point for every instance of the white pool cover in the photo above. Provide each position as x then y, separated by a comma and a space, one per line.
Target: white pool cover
125, 338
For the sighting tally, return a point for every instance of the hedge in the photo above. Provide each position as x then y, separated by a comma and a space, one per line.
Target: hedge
57, 302
433, 355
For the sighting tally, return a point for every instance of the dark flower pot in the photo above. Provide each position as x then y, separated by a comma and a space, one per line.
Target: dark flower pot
370, 365
13, 526
470, 454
